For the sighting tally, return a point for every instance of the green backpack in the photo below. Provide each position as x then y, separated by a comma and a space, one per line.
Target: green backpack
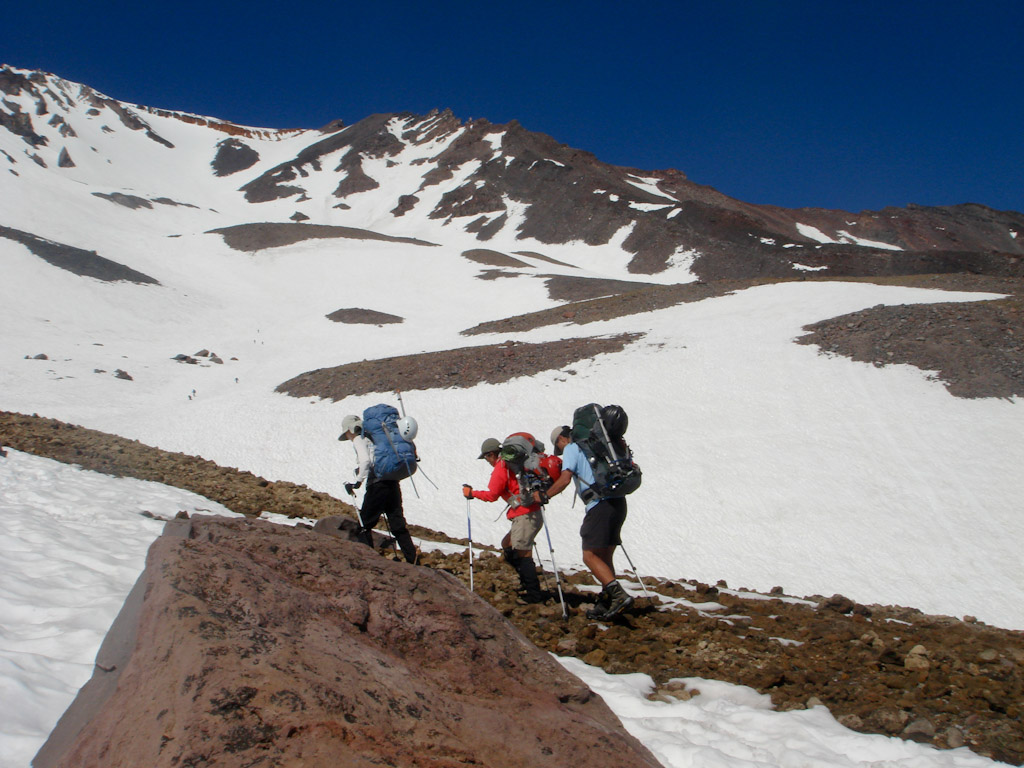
598, 433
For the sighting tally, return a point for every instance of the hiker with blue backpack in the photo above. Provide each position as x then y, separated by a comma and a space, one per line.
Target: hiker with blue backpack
597, 459
385, 455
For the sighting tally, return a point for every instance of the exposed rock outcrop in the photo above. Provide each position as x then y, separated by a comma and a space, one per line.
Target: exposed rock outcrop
233, 155
76, 260
359, 316
461, 367
257, 236
251, 643
976, 350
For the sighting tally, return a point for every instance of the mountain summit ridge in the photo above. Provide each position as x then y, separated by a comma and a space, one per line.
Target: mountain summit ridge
397, 171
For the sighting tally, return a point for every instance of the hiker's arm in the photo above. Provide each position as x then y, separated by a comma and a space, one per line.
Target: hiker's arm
362, 459
559, 485
497, 485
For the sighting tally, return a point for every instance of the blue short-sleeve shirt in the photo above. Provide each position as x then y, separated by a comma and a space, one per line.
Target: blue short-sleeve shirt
574, 460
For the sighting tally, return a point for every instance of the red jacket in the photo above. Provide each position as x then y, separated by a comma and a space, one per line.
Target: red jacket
505, 485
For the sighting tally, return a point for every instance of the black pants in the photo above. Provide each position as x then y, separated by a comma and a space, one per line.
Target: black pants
384, 497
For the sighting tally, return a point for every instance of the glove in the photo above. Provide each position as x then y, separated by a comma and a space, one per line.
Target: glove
350, 488
467, 491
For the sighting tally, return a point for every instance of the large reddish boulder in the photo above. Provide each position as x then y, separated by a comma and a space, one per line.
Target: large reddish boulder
248, 643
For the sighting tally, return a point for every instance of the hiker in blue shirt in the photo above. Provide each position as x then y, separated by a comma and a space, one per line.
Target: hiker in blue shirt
602, 525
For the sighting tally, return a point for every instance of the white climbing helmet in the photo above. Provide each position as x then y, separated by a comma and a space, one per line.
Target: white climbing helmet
407, 427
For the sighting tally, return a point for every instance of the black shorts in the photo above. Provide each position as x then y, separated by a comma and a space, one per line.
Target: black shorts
603, 524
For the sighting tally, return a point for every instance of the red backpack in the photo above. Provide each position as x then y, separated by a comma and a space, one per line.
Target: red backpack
533, 469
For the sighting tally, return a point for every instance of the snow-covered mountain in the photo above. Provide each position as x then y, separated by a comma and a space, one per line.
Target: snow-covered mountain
408, 174
132, 238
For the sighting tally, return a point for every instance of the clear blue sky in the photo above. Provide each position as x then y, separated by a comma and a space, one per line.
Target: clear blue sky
840, 104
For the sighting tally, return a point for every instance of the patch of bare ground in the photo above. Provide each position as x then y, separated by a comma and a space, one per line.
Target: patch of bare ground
573, 288
78, 261
240, 491
257, 236
463, 367
570, 287
976, 348
498, 274
492, 258
890, 670
645, 299
542, 257
356, 316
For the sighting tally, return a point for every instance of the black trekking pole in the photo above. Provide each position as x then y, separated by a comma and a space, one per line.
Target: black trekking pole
642, 586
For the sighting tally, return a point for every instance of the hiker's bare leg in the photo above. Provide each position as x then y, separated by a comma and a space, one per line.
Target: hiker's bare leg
600, 563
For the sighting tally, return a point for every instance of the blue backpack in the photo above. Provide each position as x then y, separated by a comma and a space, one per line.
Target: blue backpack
394, 457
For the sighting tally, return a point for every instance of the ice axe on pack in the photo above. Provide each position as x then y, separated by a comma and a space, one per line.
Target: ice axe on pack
408, 428
408, 466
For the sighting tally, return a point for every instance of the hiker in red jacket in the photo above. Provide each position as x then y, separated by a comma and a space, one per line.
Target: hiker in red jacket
526, 516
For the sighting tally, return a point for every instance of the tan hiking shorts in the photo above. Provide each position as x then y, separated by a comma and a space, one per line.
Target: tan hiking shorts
525, 529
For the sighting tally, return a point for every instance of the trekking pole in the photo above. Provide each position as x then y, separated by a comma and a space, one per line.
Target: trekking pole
558, 579
536, 553
427, 477
469, 529
394, 541
642, 586
400, 403
359, 513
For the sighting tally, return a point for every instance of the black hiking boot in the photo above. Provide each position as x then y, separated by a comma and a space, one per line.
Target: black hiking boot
619, 600
599, 608
532, 592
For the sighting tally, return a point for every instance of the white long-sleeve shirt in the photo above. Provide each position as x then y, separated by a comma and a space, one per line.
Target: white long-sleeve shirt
363, 447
